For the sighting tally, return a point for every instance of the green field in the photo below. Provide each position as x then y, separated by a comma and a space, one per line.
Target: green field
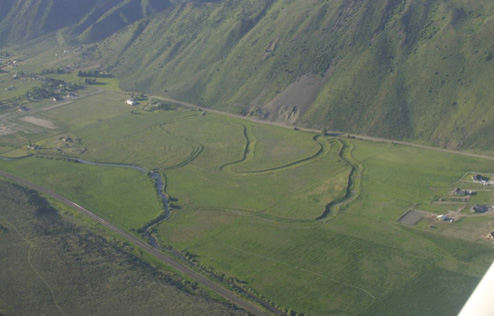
299, 265
311, 222
53, 264
246, 199
123, 196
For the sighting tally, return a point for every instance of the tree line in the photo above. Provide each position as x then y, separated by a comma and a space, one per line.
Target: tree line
93, 73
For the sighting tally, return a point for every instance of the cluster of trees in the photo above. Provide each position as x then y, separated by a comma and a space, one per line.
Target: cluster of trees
10, 103
159, 105
93, 73
89, 81
38, 93
138, 96
51, 88
60, 70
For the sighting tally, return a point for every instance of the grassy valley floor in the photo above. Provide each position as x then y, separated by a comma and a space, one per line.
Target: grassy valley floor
53, 264
309, 222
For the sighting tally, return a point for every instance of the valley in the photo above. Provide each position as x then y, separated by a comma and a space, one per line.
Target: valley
266, 207
266, 157
414, 71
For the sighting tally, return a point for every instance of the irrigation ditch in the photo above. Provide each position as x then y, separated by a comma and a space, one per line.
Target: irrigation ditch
352, 189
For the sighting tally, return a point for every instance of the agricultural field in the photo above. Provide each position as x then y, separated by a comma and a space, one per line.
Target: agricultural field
363, 254
123, 196
93, 274
307, 221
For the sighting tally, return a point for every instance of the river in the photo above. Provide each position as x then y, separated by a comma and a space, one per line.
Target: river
160, 184
146, 230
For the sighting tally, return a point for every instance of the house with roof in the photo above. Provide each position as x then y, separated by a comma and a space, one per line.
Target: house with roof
445, 218
131, 102
481, 208
478, 178
460, 192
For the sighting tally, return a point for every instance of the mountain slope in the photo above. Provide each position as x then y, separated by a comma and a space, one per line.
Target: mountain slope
400, 69
89, 20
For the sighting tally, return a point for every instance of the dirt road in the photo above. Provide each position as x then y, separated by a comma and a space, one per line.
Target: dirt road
8, 118
356, 136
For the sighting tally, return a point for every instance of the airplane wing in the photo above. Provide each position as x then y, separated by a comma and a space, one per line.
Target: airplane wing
481, 302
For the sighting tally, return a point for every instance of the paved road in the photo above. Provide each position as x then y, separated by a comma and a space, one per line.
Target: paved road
251, 308
356, 136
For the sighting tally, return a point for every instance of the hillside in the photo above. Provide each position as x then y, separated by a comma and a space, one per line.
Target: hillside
88, 20
393, 68
416, 70
53, 264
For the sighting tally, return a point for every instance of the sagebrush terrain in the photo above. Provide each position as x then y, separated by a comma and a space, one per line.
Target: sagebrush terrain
52, 264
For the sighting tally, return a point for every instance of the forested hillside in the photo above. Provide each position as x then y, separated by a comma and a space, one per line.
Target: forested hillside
402, 69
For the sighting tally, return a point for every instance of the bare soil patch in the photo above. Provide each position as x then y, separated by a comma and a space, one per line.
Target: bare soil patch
39, 122
4, 130
411, 217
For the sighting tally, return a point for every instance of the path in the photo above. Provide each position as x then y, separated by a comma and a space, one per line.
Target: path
28, 257
248, 306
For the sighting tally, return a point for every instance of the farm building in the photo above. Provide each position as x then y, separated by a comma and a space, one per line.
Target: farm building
23, 109
481, 208
445, 218
460, 192
481, 179
131, 102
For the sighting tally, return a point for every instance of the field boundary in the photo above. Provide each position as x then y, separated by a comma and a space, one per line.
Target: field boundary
196, 151
197, 148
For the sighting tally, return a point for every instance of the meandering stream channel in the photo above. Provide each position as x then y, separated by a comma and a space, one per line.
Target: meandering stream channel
160, 185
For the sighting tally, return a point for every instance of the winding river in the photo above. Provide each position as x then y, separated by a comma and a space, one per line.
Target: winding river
160, 185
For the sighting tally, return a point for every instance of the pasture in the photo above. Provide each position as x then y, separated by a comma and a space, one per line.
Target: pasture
90, 276
123, 196
246, 199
